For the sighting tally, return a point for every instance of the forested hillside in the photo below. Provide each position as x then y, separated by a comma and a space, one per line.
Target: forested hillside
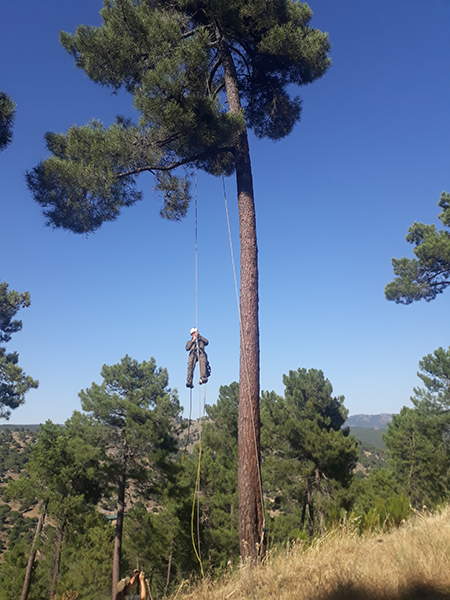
66, 486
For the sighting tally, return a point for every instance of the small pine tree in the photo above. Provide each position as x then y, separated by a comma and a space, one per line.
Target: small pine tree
137, 412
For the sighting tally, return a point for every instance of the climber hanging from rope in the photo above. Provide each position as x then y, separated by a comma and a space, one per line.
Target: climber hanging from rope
196, 348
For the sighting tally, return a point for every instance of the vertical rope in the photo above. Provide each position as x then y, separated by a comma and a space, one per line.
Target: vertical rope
196, 252
196, 499
199, 472
189, 424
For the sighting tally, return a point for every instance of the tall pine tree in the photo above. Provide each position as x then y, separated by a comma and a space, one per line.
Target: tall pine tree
201, 73
137, 412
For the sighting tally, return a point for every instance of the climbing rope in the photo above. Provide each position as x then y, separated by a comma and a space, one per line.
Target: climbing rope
189, 424
196, 255
263, 531
196, 498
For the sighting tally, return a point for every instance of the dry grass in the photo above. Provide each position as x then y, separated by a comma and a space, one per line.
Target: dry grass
410, 563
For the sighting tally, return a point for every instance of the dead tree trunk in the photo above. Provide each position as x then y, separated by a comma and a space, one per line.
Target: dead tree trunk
32, 556
118, 534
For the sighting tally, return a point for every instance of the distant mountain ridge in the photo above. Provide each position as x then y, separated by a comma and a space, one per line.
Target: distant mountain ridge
369, 421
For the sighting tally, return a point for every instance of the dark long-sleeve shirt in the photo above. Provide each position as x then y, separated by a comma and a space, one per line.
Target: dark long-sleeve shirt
191, 345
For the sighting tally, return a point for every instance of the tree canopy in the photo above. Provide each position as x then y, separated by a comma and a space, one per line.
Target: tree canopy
171, 56
13, 382
7, 116
306, 445
434, 371
427, 275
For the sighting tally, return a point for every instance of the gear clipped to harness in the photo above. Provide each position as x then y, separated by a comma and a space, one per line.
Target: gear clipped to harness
196, 348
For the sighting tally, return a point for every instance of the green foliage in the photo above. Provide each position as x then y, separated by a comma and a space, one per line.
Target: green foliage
64, 475
434, 371
420, 459
371, 436
11, 569
13, 456
308, 457
13, 382
170, 57
418, 438
136, 411
85, 164
307, 424
427, 275
7, 115
379, 501
63, 472
370, 458
86, 559
153, 539
219, 479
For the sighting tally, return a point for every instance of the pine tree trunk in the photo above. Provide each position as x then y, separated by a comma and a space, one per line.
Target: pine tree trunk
58, 549
118, 535
305, 504
319, 501
310, 508
232, 527
169, 569
251, 514
31, 558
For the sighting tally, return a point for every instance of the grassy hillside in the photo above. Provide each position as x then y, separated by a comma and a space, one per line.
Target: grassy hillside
410, 563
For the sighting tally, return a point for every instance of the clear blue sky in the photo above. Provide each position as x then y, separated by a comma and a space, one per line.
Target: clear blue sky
334, 202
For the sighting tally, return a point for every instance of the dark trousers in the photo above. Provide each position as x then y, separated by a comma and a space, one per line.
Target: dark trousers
192, 361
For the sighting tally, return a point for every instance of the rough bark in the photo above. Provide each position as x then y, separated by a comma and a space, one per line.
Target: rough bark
310, 508
319, 501
58, 549
251, 514
169, 569
31, 557
118, 535
305, 504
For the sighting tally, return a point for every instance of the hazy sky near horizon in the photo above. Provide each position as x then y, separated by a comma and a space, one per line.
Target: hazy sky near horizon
333, 201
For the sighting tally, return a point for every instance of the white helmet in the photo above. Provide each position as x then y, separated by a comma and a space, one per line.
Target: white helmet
193, 330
